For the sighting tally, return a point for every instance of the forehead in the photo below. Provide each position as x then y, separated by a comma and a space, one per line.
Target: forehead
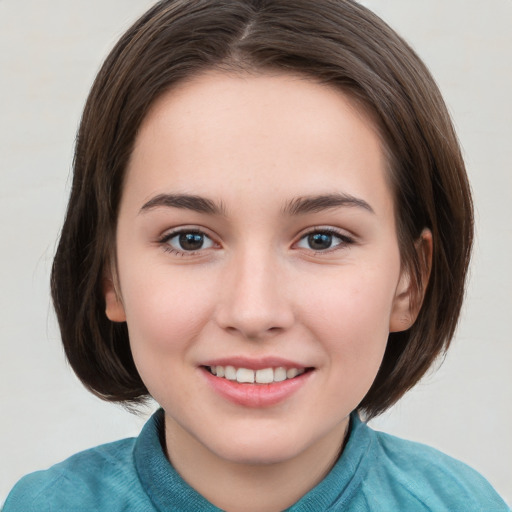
220, 134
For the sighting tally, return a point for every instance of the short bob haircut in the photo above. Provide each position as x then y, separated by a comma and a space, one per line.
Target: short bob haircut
336, 42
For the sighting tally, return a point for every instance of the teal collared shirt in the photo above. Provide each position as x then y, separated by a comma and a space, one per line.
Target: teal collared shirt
376, 472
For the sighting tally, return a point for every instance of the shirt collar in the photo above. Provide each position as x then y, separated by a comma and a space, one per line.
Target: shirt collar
168, 491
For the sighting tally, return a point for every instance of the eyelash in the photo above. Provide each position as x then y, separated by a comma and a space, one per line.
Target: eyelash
164, 241
344, 240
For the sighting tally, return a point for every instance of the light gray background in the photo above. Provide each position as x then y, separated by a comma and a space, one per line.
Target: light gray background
49, 53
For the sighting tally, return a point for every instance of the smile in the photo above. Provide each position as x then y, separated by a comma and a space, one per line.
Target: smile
267, 385
261, 376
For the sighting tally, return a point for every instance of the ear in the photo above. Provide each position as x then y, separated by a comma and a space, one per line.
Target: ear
114, 308
410, 293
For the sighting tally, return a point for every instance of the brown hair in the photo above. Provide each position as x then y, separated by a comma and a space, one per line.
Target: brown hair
337, 42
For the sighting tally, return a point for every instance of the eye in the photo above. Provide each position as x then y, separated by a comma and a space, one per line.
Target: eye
323, 240
186, 241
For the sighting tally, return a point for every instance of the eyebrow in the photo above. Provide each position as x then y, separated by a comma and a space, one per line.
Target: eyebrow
185, 201
314, 204
297, 206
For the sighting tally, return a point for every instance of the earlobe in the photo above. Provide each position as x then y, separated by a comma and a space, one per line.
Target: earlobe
410, 291
114, 308
402, 315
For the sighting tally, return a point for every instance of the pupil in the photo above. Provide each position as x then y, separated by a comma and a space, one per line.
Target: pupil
320, 241
191, 241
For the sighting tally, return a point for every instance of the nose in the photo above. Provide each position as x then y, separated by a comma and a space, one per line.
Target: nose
255, 299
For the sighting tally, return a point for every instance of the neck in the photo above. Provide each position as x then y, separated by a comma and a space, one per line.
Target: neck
237, 487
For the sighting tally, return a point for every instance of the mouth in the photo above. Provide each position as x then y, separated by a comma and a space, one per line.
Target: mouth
268, 375
266, 382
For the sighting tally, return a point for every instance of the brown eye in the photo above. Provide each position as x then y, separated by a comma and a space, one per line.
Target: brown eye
191, 241
323, 241
187, 241
320, 241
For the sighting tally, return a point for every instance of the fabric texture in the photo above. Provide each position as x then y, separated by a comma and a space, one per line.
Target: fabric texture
376, 472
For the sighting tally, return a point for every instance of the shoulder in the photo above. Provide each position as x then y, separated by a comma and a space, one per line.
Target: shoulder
85, 481
417, 474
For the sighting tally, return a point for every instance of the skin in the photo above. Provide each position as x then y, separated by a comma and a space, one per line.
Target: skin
253, 144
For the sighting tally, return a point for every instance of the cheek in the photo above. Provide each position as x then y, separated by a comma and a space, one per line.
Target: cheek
165, 316
355, 299
351, 317
165, 313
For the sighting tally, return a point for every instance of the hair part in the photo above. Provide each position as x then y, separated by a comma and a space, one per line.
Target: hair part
336, 42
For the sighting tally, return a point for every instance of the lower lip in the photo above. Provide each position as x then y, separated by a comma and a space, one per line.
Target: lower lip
256, 395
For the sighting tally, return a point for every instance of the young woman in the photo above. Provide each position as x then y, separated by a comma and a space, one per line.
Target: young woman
268, 232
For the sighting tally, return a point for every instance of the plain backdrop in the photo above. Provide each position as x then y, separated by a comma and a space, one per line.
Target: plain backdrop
49, 53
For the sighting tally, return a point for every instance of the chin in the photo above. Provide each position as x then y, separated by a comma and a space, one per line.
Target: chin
260, 446
255, 454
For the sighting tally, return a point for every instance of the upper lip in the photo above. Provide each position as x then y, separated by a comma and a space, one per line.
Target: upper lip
254, 363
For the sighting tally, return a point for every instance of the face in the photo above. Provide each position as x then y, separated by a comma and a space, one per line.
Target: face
257, 261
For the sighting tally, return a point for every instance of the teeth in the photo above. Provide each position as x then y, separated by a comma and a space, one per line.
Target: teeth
279, 374
263, 376
230, 372
245, 375
292, 372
